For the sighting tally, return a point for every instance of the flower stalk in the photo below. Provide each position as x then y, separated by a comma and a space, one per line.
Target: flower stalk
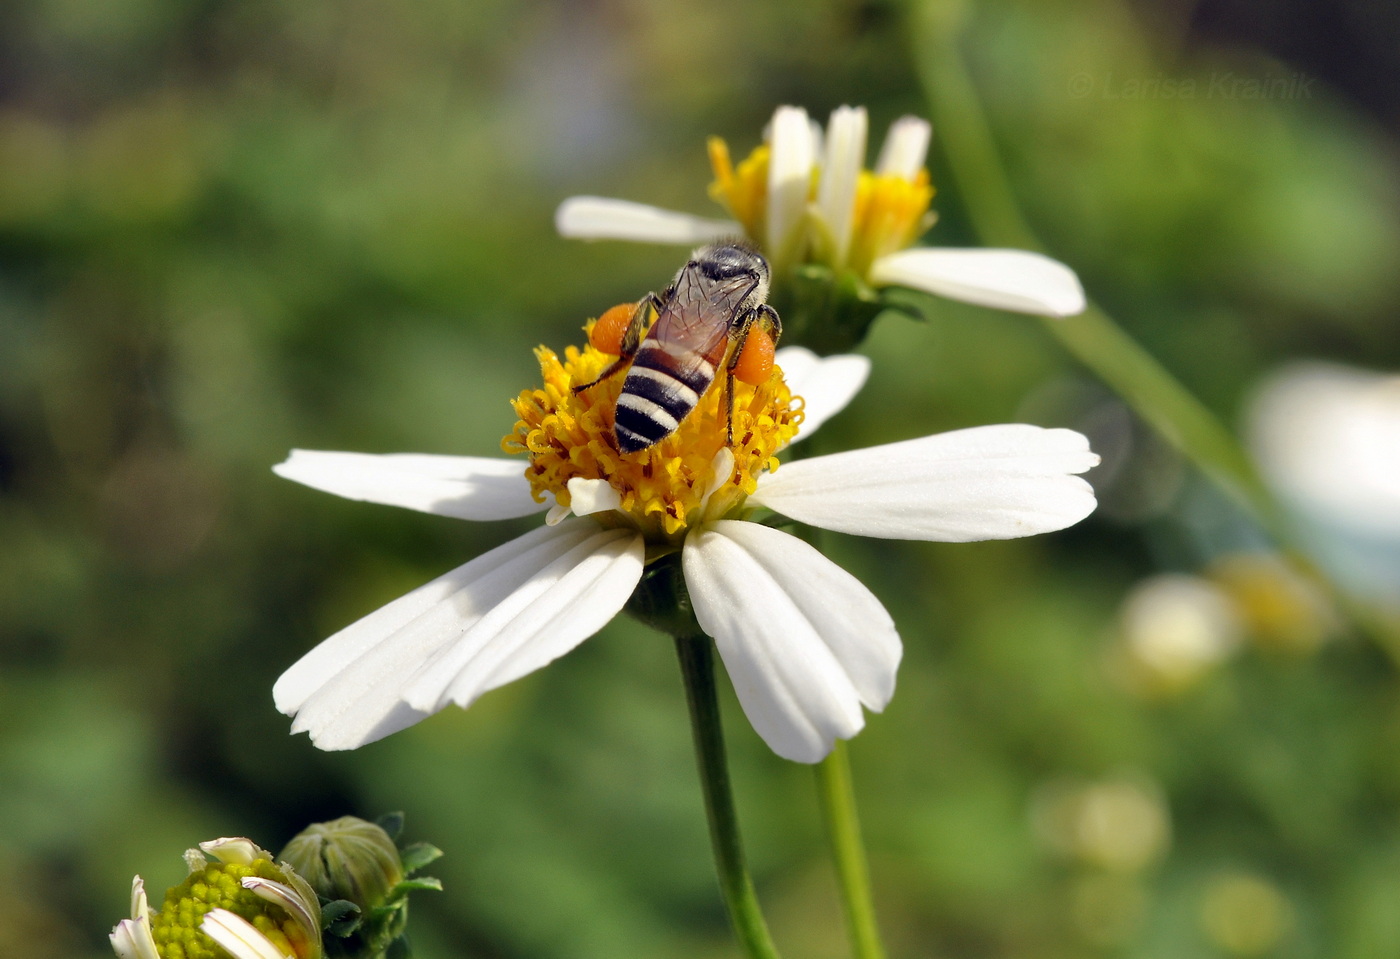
838, 802
1092, 336
698, 670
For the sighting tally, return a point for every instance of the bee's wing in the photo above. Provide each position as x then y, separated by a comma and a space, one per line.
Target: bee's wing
699, 313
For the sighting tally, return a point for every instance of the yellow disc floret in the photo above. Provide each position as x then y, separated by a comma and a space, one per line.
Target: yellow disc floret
743, 191
175, 928
891, 212
665, 488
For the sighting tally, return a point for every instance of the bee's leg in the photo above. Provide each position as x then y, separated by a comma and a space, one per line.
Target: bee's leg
767, 318
770, 320
631, 338
738, 335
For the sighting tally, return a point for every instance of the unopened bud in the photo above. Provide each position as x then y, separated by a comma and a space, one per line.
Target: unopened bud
347, 858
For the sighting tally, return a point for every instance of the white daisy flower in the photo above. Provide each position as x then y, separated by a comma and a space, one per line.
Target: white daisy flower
807, 197
242, 904
805, 644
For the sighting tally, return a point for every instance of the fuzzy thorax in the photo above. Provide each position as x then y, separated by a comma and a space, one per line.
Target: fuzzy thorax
669, 487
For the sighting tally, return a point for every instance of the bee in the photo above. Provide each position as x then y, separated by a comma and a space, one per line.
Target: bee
709, 310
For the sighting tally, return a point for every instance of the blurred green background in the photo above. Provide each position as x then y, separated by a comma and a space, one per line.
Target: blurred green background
227, 229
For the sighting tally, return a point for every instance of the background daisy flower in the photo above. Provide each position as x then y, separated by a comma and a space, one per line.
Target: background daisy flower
805, 196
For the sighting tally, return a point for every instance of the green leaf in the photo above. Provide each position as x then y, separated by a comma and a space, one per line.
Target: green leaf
423, 882
417, 855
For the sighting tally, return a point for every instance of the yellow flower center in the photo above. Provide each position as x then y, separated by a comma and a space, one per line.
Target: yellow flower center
666, 488
743, 192
891, 212
175, 928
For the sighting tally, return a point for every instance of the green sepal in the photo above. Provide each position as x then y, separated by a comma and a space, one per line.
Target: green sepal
409, 885
825, 311
340, 917
417, 855
912, 304
379, 914
662, 601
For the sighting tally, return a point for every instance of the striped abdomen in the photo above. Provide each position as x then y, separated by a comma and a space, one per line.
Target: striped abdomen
663, 384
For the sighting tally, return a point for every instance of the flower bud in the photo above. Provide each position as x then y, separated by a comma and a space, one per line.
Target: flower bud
347, 858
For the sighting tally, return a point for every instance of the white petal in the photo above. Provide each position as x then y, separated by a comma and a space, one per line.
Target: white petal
905, 148
534, 621
233, 849
132, 939
592, 496
601, 218
467, 487
826, 384
140, 905
804, 642
239, 936
1002, 279
841, 166
789, 179
990, 482
288, 898
348, 691
721, 469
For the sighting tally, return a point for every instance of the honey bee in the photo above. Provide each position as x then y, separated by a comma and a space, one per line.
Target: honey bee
709, 309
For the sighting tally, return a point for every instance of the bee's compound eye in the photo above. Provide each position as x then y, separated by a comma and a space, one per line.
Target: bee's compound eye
756, 360
609, 329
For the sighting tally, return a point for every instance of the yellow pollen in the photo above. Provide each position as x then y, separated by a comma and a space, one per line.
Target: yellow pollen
663, 488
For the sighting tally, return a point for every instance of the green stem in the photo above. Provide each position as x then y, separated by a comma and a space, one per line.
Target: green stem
1093, 337
1164, 404
698, 668
838, 800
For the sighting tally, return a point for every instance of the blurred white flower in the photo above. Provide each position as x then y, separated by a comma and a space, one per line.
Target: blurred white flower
1327, 439
1174, 628
1245, 914
804, 196
805, 643
1119, 824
